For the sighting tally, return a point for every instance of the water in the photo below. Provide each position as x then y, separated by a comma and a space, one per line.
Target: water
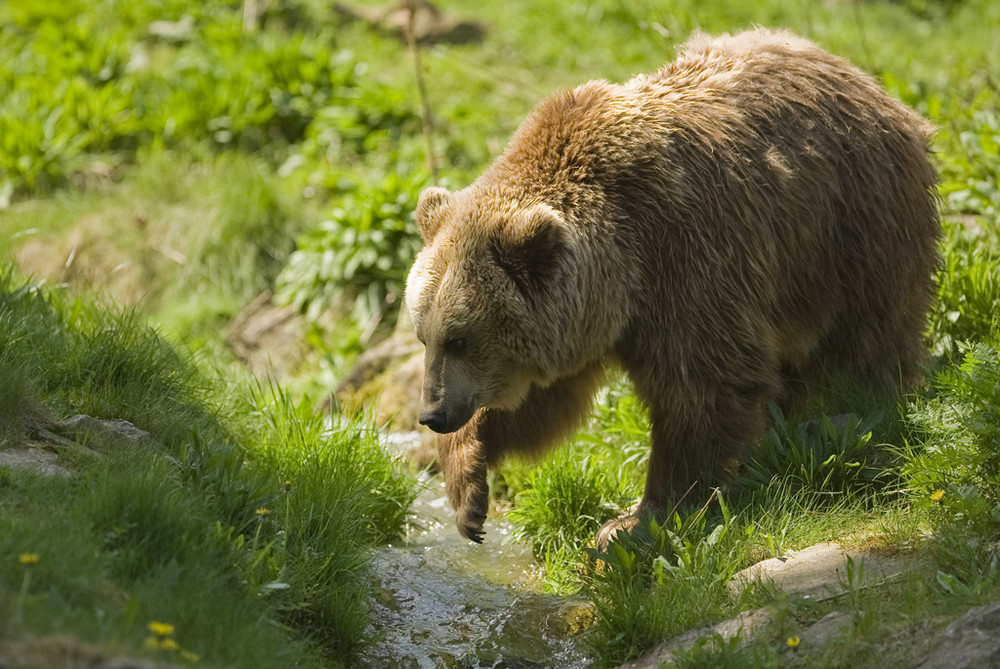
445, 602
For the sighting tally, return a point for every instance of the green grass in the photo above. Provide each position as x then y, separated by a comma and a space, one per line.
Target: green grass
930, 494
565, 500
243, 520
804, 483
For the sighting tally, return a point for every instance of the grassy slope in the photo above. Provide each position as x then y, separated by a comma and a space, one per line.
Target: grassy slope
241, 510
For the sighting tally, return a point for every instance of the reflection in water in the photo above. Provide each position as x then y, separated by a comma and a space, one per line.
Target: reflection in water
445, 602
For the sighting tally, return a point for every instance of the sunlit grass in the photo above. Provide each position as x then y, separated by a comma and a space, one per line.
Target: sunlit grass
173, 528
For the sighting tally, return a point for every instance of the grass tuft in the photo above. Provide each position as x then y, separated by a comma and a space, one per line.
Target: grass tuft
244, 520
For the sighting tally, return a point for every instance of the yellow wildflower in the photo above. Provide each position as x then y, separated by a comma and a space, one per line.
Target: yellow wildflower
937, 495
28, 558
793, 642
189, 656
160, 629
161, 643
263, 511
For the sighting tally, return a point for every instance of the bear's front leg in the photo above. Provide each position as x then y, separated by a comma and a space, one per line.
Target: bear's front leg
462, 459
545, 416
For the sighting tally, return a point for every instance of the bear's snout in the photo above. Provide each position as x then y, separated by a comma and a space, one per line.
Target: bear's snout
436, 420
442, 419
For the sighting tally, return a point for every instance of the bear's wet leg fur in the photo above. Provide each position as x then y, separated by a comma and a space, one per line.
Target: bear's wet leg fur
462, 459
546, 415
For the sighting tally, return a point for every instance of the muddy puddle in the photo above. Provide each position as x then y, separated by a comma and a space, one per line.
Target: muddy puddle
445, 602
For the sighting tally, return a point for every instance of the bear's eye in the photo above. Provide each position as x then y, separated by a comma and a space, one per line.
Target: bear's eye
455, 345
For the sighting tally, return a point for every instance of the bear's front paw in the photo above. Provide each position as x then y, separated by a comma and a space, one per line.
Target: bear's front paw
470, 513
470, 523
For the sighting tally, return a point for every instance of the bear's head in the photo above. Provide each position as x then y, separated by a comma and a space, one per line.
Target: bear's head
478, 294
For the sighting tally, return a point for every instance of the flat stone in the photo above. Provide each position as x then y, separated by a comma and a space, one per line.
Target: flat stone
971, 642
820, 571
34, 458
53, 438
746, 625
819, 633
114, 430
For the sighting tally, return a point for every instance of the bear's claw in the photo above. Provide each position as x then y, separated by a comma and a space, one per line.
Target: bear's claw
470, 526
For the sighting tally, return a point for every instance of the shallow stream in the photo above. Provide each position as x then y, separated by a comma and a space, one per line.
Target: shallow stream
446, 602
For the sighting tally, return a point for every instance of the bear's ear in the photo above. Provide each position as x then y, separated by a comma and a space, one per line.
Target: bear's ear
530, 246
430, 201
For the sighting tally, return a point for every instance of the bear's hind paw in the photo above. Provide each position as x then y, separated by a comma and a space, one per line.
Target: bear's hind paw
611, 529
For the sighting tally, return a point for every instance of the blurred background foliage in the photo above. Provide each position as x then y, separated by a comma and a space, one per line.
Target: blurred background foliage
280, 150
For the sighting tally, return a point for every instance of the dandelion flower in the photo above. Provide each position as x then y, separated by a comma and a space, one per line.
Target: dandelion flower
160, 629
263, 511
28, 558
162, 643
793, 642
937, 495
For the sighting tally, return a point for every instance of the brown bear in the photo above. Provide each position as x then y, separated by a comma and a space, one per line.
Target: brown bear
726, 230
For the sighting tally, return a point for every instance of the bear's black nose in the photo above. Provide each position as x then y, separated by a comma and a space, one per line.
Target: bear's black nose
435, 420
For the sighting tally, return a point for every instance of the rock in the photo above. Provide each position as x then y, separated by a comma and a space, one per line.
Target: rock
117, 431
818, 572
53, 438
268, 338
745, 625
430, 25
819, 633
971, 642
387, 379
34, 458
397, 350
42, 455
821, 571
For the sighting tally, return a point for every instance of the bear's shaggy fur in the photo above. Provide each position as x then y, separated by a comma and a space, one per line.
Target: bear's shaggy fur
726, 229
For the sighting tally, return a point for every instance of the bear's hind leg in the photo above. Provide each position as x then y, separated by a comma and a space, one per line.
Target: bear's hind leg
693, 446
545, 415
696, 435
